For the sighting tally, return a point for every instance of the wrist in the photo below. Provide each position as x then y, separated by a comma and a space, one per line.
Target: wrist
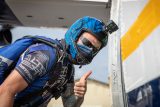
79, 101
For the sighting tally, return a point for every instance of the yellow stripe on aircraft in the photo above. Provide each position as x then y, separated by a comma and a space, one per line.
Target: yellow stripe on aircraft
147, 21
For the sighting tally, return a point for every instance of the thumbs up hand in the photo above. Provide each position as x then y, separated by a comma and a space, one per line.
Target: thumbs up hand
80, 87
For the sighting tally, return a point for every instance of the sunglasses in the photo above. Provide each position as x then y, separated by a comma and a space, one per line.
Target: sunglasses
87, 43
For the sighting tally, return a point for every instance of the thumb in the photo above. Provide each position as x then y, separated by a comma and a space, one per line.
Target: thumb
85, 76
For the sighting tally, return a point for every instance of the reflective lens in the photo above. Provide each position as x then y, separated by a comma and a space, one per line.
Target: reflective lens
87, 43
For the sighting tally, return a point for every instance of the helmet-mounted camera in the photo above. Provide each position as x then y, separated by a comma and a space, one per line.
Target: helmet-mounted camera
111, 27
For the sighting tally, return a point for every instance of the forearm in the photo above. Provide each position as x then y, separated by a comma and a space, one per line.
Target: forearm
13, 84
69, 99
6, 98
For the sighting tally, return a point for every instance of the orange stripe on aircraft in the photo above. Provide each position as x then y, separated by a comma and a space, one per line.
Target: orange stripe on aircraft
147, 21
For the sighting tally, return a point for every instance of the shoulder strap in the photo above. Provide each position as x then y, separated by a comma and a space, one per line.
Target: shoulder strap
48, 42
26, 42
40, 39
59, 55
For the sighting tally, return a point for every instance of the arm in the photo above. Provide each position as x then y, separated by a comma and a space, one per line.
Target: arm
69, 99
74, 94
28, 68
13, 84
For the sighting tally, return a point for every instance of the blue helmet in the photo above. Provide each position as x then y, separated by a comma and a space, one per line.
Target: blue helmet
85, 24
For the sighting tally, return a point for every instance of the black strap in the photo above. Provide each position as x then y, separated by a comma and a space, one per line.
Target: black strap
41, 40
37, 93
61, 53
56, 67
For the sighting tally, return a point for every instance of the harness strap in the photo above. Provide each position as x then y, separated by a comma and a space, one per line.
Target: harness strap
37, 93
56, 67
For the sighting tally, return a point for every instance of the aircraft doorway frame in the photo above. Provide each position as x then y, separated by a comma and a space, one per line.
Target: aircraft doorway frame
115, 64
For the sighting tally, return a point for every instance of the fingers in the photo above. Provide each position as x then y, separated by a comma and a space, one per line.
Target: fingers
80, 89
80, 84
79, 93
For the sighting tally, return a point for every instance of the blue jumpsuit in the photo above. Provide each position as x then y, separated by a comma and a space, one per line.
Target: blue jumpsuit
34, 66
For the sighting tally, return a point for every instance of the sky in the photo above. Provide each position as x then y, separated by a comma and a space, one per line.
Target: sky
98, 66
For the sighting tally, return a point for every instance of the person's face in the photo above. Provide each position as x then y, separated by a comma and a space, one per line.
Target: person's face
87, 46
93, 41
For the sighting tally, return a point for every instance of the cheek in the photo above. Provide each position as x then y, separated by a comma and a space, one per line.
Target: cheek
99, 44
96, 44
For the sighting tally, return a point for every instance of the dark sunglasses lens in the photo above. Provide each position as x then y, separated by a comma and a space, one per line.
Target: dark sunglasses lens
87, 43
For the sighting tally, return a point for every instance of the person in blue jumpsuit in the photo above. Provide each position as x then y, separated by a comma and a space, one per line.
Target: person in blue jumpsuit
43, 72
